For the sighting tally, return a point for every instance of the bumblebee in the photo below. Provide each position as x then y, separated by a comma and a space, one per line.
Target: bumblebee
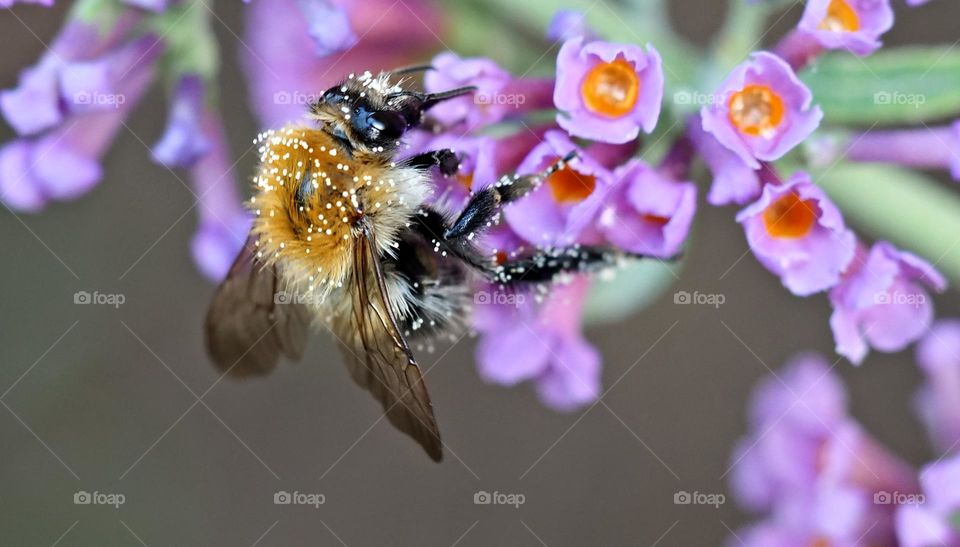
344, 238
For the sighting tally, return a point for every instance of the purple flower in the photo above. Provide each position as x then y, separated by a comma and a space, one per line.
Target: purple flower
938, 400
478, 169
11, 3
648, 213
567, 24
64, 163
763, 110
224, 223
183, 141
733, 180
925, 148
830, 515
498, 96
799, 234
567, 203
854, 25
283, 75
811, 466
882, 301
933, 522
523, 341
73, 76
607, 91
328, 25
156, 6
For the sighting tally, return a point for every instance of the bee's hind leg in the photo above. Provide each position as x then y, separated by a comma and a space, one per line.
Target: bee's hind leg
485, 204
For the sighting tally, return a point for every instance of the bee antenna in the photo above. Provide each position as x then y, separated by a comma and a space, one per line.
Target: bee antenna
413, 69
431, 99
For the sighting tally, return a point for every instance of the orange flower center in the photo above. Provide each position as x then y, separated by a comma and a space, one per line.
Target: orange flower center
840, 18
501, 257
611, 89
656, 219
466, 180
569, 186
820, 542
756, 110
790, 217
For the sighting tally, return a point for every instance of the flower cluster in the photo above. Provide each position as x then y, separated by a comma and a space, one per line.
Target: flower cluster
818, 477
604, 101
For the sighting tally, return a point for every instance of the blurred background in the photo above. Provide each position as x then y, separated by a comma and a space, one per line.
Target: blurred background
105, 399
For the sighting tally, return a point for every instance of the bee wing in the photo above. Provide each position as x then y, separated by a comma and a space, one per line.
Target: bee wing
379, 358
246, 329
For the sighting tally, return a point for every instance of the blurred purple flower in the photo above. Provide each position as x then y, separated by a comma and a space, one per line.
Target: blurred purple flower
933, 522
521, 340
854, 25
64, 163
183, 142
607, 92
567, 24
733, 180
224, 223
568, 202
811, 466
328, 25
282, 78
763, 110
11, 3
924, 148
799, 234
646, 212
73, 76
938, 400
156, 6
882, 301
499, 95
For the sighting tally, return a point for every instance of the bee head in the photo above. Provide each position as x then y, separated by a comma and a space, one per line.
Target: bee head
370, 113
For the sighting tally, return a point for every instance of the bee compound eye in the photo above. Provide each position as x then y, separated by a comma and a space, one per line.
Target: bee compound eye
387, 125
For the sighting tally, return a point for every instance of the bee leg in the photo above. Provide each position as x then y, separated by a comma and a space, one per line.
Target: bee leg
546, 265
445, 159
485, 204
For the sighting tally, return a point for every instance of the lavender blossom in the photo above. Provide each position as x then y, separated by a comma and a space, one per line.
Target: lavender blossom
763, 110
521, 340
882, 301
854, 25
224, 223
567, 203
797, 233
608, 92
183, 141
29, 178
648, 213
938, 400
933, 522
